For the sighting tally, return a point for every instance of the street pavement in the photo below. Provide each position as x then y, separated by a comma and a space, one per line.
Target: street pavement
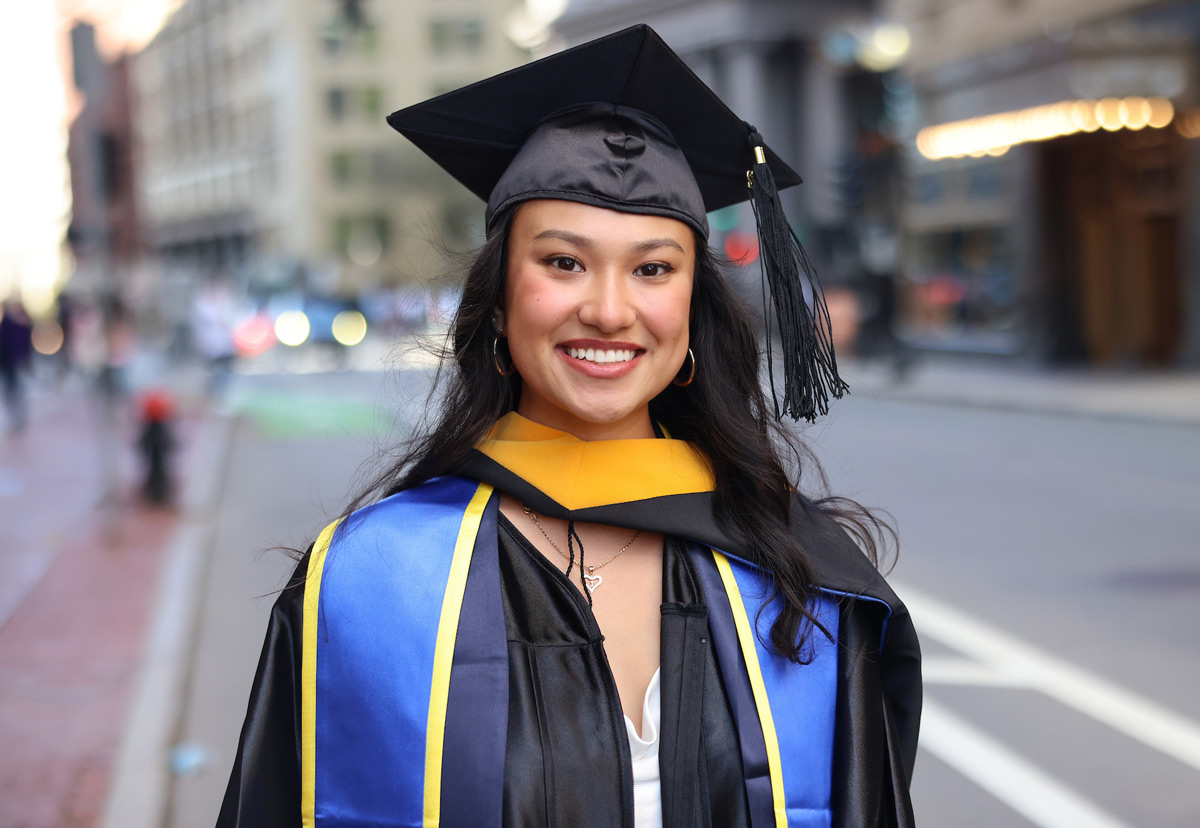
81, 554
1049, 563
128, 643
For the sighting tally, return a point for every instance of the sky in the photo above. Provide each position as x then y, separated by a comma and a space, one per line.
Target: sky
35, 197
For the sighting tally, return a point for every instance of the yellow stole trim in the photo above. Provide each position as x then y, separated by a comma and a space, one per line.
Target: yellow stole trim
308, 678
746, 639
580, 474
443, 653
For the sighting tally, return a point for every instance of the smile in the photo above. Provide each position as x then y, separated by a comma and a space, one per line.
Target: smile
601, 356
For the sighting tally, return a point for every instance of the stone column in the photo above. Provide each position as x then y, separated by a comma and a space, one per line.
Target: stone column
746, 82
823, 138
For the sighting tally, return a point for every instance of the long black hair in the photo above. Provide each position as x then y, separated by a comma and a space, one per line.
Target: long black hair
723, 412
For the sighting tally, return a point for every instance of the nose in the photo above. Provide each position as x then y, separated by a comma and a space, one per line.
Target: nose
609, 303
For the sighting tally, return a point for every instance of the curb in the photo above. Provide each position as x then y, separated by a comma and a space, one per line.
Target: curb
1141, 399
1060, 409
138, 789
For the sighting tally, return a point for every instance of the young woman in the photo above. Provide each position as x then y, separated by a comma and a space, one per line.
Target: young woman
591, 595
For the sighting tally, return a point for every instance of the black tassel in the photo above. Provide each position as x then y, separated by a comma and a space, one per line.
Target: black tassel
570, 548
810, 375
572, 539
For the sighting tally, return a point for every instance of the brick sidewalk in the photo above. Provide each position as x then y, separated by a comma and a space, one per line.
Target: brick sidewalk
69, 655
72, 645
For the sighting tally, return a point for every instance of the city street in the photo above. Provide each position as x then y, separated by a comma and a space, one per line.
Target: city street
1050, 564
234, 235
1048, 561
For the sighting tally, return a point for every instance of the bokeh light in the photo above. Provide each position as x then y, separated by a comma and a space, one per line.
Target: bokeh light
884, 47
741, 248
292, 328
253, 335
47, 338
1189, 125
995, 134
349, 327
725, 219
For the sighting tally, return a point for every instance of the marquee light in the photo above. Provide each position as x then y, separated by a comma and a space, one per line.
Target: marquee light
1189, 124
995, 134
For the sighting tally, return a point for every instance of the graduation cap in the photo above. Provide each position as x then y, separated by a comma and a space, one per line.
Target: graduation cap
621, 122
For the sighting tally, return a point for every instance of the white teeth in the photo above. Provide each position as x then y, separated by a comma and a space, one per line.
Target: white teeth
600, 357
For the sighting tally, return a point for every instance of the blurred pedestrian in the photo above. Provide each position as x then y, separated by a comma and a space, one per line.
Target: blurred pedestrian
16, 352
66, 324
877, 332
119, 337
213, 320
879, 256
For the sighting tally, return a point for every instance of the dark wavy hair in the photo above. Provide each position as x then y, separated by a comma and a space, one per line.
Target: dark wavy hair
723, 412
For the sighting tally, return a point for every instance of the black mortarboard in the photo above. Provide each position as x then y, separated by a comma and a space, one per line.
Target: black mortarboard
475, 132
622, 122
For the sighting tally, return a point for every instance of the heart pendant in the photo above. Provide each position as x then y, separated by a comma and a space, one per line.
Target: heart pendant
592, 581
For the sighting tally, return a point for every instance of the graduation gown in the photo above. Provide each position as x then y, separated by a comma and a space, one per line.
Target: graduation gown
520, 724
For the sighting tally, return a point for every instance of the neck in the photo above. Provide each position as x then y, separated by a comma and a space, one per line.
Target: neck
636, 426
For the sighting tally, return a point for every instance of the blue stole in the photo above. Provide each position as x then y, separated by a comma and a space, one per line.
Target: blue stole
404, 696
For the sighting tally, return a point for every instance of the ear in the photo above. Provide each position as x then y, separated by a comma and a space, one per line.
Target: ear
498, 322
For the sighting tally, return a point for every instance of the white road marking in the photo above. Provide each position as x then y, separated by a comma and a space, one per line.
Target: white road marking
961, 671
1026, 789
1149, 723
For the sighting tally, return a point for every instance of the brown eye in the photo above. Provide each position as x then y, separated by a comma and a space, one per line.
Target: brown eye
653, 269
565, 263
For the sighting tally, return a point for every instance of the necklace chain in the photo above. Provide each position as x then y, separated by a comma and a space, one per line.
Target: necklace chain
595, 580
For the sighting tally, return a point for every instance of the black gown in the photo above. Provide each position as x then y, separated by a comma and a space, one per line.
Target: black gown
558, 678
565, 765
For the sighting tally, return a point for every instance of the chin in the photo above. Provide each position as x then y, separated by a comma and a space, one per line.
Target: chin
591, 422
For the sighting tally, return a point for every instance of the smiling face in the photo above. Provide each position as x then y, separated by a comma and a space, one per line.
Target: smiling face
596, 308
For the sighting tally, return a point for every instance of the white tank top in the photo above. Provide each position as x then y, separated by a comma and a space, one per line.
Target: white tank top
643, 749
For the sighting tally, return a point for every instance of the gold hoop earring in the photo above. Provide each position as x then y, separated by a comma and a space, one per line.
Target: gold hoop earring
691, 374
496, 360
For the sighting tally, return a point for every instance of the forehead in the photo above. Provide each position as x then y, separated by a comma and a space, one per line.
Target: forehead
595, 225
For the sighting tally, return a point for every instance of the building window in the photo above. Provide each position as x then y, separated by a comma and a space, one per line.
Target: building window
440, 36
349, 30
341, 168
930, 188
335, 104
455, 35
962, 284
372, 103
985, 182
361, 230
471, 35
368, 40
343, 229
382, 226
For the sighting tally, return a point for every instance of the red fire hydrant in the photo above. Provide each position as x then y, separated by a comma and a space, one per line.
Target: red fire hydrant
156, 443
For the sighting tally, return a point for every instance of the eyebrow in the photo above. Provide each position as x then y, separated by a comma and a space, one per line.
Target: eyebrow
587, 244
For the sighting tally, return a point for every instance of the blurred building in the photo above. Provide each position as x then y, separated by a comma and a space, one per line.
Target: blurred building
104, 233
264, 151
1052, 203
766, 59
